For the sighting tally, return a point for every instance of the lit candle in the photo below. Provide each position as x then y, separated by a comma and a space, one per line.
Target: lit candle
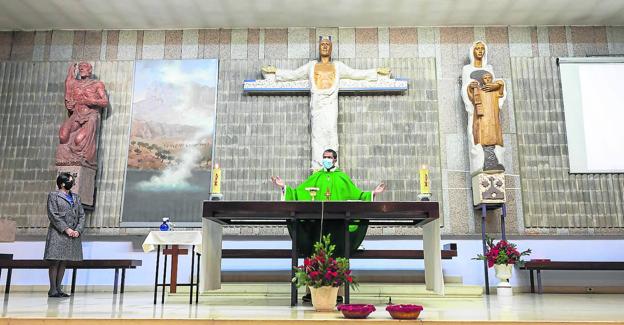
424, 180
216, 179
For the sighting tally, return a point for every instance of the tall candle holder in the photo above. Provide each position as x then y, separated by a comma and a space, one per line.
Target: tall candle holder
423, 197
215, 194
425, 191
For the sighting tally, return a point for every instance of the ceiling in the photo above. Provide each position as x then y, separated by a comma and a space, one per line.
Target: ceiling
182, 14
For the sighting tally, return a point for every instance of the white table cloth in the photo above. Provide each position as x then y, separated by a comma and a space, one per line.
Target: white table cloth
162, 238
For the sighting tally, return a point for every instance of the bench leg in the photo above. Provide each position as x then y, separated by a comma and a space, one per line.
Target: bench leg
539, 282
123, 279
73, 281
115, 284
532, 281
7, 287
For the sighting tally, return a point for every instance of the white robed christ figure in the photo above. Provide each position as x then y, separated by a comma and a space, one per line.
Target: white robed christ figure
324, 76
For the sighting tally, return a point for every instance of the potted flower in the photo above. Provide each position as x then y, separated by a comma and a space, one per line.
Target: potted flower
324, 274
502, 255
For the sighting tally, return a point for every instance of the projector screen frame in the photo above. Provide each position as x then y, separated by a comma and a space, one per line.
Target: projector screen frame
572, 108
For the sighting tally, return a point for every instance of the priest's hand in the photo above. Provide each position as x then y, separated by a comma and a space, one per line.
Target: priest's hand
380, 188
278, 181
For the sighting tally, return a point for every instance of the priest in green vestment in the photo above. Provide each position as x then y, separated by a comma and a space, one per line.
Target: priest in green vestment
334, 185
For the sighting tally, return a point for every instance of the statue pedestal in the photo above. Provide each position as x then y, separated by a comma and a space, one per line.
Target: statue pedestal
488, 188
7, 231
84, 182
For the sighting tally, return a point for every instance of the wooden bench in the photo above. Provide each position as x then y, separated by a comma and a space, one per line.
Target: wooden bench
10, 264
5, 257
448, 252
567, 266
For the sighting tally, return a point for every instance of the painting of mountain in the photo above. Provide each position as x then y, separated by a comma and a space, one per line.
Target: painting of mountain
171, 141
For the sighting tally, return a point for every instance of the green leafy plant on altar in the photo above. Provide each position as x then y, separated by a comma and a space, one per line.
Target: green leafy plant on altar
322, 269
502, 252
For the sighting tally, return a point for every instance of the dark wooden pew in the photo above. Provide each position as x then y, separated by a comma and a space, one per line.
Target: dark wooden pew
5, 257
448, 252
10, 264
538, 266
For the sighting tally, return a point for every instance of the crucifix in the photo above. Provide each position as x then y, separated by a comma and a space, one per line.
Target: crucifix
324, 79
174, 251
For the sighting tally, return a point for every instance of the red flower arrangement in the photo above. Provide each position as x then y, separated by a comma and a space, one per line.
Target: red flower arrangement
321, 269
502, 252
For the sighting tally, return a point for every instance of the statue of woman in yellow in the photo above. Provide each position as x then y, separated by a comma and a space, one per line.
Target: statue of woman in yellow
483, 99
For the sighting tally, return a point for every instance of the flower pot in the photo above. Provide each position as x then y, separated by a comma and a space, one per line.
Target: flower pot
356, 311
404, 311
503, 273
324, 298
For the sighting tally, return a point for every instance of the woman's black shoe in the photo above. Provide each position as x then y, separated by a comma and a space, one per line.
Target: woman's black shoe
307, 298
63, 294
54, 295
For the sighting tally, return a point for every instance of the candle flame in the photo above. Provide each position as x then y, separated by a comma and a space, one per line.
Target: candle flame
216, 165
423, 166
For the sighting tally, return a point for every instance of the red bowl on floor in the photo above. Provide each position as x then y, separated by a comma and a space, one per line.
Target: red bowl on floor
404, 311
356, 310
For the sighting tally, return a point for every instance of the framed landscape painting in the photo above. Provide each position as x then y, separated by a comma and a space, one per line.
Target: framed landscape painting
171, 141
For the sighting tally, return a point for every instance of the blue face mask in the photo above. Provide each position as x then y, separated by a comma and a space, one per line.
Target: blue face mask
328, 163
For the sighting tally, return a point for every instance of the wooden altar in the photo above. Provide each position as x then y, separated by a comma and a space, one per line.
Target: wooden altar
417, 214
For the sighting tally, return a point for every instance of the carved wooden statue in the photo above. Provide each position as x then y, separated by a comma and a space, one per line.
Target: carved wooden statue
483, 97
84, 98
77, 149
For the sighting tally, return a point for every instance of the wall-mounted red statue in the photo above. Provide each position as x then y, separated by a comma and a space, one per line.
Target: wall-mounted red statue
85, 97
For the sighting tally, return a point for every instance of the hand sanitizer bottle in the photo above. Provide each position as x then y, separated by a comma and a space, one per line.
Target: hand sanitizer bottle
165, 224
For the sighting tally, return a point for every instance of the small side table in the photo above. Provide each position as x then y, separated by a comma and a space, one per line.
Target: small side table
172, 240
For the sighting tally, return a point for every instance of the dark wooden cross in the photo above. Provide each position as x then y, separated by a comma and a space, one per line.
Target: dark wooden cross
174, 251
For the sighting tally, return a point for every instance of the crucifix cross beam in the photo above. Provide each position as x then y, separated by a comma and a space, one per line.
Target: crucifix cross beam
323, 79
324, 102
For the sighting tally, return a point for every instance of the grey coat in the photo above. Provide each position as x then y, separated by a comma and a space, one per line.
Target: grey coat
59, 246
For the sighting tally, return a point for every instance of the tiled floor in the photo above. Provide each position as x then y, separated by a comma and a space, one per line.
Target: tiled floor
271, 308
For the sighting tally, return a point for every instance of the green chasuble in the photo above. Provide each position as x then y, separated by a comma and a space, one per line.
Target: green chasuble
339, 187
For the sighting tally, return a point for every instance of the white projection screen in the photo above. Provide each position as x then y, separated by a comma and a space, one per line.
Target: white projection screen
593, 101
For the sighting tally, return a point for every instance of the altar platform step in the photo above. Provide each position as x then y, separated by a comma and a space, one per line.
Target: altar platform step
137, 308
363, 276
375, 291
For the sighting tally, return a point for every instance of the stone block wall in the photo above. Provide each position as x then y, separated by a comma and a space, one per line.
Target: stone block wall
28, 131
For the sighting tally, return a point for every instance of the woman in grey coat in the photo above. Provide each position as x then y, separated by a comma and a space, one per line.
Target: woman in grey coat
64, 242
